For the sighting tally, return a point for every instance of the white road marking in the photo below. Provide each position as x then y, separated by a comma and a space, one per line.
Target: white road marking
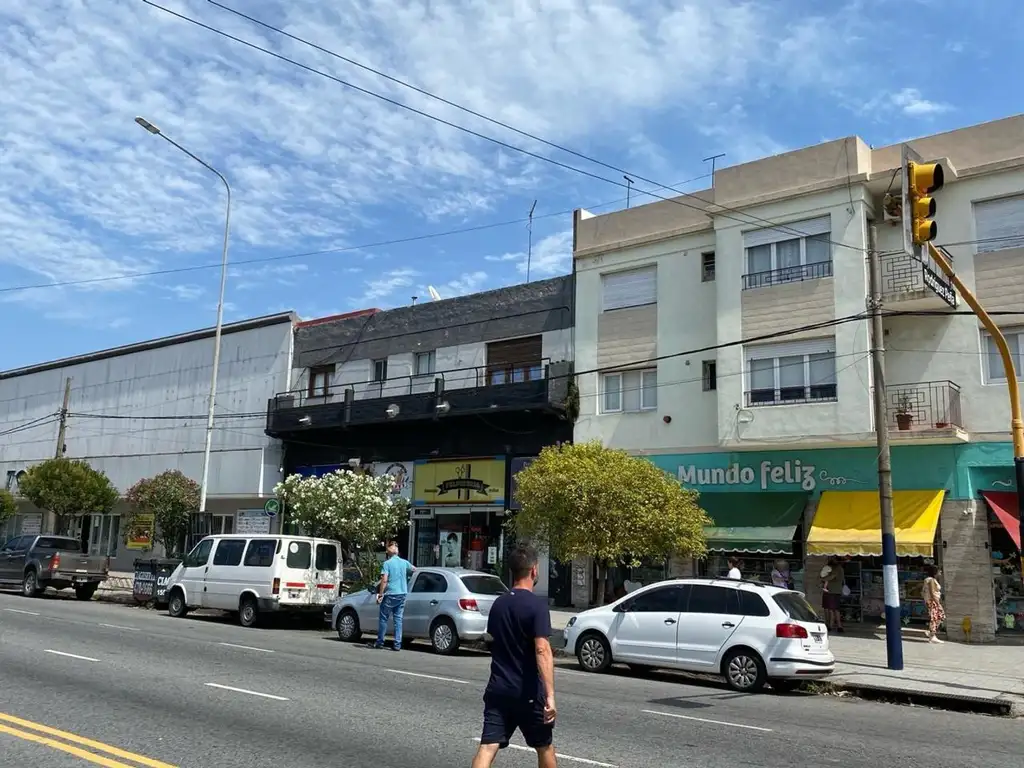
243, 690
574, 672
246, 647
70, 655
560, 756
704, 720
430, 677
118, 626
24, 613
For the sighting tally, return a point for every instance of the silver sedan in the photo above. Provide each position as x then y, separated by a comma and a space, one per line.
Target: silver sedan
445, 605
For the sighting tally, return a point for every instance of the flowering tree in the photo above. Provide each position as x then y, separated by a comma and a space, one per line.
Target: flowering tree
586, 500
357, 509
161, 507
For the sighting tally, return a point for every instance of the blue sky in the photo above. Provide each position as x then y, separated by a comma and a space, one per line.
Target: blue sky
652, 86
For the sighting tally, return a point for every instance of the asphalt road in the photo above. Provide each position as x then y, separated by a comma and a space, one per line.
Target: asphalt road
140, 688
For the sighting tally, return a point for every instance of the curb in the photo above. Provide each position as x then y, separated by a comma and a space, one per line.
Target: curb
952, 702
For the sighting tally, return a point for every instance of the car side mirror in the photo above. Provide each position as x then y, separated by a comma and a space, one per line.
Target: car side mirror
621, 608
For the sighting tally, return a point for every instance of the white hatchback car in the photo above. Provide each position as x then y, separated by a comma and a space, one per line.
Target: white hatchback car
748, 632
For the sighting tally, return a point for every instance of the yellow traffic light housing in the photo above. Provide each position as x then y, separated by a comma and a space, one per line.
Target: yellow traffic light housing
922, 179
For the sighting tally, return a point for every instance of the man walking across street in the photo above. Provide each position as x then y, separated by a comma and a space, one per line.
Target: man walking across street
391, 592
520, 694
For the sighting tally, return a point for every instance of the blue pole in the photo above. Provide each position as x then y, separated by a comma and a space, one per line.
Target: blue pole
893, 625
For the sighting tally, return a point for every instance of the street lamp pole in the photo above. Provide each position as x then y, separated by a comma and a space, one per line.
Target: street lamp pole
220, 307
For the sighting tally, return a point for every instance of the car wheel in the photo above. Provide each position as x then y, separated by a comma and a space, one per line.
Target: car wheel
348, 626
444, 638
593, 653
784, 686
86, 592
248, 612
744, 671
176, 606
30, 586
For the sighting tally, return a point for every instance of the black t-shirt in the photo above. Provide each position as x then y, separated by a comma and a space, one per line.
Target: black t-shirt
516, 619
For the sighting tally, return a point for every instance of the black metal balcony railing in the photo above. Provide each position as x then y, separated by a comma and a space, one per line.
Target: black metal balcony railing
904, 276
927, 405
409, 397
816, 393
796, 274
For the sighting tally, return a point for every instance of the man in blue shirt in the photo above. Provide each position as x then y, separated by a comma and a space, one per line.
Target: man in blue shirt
521, 692
391, 592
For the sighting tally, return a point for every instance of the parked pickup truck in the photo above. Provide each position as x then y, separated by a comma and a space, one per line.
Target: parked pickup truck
33, 563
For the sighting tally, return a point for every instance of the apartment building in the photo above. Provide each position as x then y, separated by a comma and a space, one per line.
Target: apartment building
452, 397
140, 409
723, 330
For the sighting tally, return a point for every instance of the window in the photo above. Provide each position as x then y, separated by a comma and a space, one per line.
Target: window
484, 585
795, 606
797, 372
744, 603
707, 267
707, 599
380, 370
229, 552
660, 600
633, 288
630, 391
430, 582
299, 554
800, 251
326, 557
55, 543
260, 553
515, 360
709, 375
994, 371
199, 555
999, 224
320, 380
425, 363
18, 543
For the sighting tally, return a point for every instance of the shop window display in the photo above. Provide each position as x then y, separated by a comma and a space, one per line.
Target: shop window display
1006, 581
756, 567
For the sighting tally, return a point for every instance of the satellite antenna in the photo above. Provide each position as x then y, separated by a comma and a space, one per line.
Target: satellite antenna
434, 295
529, 246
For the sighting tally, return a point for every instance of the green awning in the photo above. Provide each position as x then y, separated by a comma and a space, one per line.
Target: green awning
762, 523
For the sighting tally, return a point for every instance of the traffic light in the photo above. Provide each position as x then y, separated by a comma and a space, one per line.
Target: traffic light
922, 180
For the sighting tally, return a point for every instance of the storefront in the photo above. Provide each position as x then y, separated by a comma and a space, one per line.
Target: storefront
458, 511
1007, 583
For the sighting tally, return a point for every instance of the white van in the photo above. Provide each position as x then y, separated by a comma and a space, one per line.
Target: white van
254, 575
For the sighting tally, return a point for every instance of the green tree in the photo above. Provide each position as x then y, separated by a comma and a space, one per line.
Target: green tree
68, 488
8, 506
586, 500
163, 505
356, 509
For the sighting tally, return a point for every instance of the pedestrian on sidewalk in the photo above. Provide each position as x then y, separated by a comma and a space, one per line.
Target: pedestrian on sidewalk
395, 573
780, 575
833, 578
520, 694
931, 591
734, 569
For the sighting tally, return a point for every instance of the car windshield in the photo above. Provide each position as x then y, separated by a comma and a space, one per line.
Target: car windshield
796, 606
56, 542
484, 585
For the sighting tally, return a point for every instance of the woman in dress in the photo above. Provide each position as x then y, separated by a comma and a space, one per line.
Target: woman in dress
931, 591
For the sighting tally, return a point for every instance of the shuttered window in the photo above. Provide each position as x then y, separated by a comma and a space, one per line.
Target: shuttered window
791, 372
801, 251
999, 224
633, 288
515, 360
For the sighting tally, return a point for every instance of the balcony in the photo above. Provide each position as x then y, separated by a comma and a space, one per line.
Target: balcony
783, 275
540, 386
924, 409
916, 284
816, 393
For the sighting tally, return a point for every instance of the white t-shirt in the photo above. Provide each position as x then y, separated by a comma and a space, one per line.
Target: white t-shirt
734, 573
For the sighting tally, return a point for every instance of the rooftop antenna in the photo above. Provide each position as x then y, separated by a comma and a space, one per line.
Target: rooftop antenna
529, 247
712, 159
414, 299
629, 187
434, 295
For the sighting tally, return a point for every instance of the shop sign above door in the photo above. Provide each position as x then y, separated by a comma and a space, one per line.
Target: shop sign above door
765, 475
463, 482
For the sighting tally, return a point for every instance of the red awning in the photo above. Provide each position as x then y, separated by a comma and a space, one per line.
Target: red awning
1004, 504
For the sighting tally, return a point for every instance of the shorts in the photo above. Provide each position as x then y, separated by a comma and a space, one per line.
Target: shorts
503, 717
830, 601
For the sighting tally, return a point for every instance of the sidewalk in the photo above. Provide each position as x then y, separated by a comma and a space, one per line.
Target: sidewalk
989, 676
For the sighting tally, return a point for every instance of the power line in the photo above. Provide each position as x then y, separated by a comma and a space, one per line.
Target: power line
33, 424
702, 208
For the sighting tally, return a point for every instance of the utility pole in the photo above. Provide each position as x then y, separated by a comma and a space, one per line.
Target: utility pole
62, 432
529, 247
629, 188
893, 629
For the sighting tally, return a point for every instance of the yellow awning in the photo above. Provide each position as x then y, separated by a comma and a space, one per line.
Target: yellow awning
849, 523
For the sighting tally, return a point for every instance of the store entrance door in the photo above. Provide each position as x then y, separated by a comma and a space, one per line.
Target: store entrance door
560, 583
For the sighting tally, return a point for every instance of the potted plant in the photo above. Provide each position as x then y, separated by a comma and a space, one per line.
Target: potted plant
904, 413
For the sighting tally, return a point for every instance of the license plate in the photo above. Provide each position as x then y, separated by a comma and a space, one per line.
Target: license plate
294, 594
819, 638
80, 580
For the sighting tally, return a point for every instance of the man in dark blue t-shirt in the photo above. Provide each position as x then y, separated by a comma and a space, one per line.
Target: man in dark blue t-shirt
521, 692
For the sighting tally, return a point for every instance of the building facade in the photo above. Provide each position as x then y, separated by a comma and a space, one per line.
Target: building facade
452, 397
724, 338
138, 410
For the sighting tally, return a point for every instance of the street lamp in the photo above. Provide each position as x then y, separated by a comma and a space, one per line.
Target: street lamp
220, 305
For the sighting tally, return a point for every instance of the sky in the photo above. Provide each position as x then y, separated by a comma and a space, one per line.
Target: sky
326, 178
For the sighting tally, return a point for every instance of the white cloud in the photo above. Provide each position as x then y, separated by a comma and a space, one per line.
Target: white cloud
909, 101
552, 255
471, 282
187, 292
384, 287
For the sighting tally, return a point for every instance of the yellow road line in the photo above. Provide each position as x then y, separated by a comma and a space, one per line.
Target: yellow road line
99, 746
